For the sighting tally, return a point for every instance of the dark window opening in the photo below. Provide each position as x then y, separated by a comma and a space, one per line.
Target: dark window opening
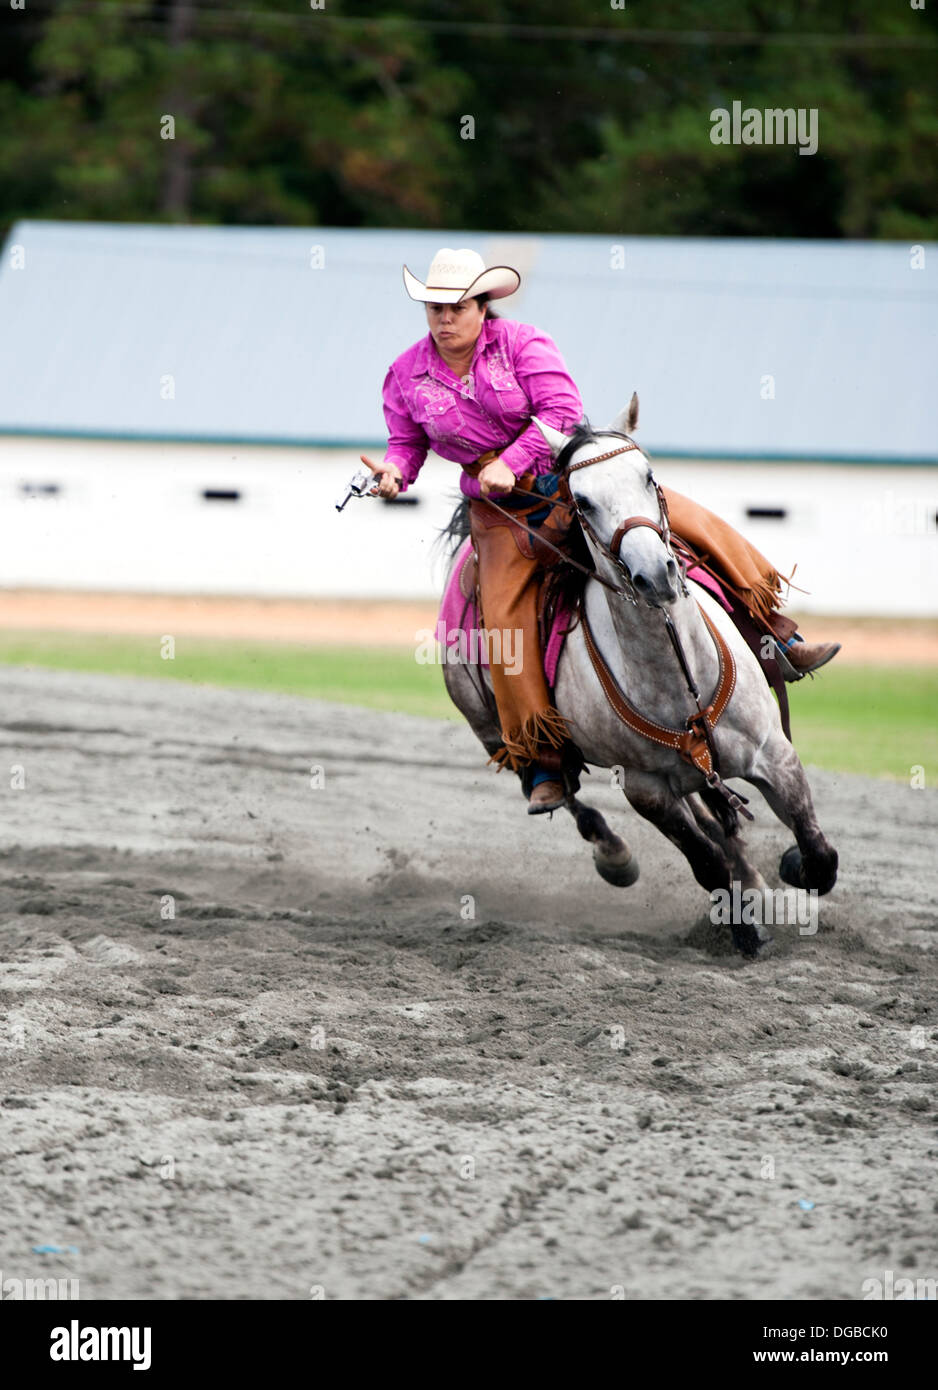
403, 499
40, 489
221, 494
772, 513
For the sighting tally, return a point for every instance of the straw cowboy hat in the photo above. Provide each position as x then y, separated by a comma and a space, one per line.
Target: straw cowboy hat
456, 275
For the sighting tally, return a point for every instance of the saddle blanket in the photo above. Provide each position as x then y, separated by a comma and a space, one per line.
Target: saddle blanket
458, 623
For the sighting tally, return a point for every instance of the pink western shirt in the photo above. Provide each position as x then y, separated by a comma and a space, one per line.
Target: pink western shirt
517, 371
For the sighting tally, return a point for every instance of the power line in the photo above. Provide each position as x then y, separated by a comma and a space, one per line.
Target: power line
700, 38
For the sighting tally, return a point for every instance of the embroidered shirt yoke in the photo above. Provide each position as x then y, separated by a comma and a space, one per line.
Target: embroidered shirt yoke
517, 371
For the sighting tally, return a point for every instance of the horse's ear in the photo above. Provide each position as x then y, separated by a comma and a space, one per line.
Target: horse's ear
627, 418
554, 438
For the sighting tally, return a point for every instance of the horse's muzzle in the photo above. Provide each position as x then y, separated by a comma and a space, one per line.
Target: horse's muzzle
658, 584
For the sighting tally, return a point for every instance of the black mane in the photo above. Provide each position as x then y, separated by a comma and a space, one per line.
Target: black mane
582, 434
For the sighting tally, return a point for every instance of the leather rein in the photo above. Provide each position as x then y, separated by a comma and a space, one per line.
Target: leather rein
695, 742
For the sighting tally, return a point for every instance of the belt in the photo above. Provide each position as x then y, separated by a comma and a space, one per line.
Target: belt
510, 500
475, 467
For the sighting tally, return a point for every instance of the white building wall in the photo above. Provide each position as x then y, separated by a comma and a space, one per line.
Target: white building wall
131, 517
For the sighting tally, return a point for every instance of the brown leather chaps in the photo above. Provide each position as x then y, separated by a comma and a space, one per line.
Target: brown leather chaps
509, 577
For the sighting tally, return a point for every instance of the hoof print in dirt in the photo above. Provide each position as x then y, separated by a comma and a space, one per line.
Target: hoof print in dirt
38, 907
164, 986
274, 1047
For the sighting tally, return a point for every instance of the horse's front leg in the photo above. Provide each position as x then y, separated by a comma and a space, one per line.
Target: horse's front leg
730, 842
781, 779
652, 797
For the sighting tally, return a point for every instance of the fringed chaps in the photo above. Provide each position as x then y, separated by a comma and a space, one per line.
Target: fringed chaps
531, 725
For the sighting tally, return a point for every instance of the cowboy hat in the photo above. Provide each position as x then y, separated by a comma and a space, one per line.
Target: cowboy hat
457, 275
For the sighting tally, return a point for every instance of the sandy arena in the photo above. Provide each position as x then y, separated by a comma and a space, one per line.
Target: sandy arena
324, 1077
359, 622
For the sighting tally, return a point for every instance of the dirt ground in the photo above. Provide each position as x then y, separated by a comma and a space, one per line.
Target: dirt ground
296, 1001
878, 641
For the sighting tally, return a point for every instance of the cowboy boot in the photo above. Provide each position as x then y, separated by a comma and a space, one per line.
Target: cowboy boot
549, 790
546, 796
804, 658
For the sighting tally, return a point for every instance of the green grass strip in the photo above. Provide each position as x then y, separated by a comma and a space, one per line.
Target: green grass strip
868, 719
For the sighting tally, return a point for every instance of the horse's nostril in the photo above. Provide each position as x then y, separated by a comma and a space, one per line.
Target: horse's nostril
640, 581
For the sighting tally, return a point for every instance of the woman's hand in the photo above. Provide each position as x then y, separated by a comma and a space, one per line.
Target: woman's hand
387, 476
496, 477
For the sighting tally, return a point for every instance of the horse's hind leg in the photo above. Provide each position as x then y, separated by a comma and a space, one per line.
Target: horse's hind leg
465, 687
613, 859
812, 863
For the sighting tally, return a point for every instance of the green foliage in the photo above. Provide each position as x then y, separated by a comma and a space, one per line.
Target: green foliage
587, 118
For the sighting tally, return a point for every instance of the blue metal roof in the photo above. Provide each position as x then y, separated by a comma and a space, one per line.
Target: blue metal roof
263, 347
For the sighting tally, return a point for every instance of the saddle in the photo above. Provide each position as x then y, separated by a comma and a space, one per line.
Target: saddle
553, 530
554, 617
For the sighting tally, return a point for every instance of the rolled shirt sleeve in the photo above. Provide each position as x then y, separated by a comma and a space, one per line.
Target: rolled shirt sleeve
407, 442
553, 397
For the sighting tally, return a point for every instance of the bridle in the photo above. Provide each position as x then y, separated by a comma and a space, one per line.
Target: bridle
611, 551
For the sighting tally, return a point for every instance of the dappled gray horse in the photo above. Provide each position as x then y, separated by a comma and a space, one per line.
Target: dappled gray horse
620, 661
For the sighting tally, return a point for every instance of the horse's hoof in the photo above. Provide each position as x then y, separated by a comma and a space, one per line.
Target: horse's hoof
789, 867
621, 870
751, 943
819, 871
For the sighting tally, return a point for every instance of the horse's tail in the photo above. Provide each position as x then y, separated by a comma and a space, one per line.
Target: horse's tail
451, 536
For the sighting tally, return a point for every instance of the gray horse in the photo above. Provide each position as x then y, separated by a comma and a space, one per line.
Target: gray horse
632, 639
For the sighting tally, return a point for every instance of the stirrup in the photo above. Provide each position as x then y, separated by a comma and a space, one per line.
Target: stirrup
784, 665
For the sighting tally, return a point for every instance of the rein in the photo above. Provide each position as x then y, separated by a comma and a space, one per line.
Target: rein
566, 499
695, 742
542, 540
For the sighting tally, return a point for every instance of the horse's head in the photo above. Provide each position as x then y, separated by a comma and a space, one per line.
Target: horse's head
621, 510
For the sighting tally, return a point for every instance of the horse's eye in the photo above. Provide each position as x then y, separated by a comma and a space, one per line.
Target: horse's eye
584, 504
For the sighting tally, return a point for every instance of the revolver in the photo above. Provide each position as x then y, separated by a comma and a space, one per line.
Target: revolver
359, 485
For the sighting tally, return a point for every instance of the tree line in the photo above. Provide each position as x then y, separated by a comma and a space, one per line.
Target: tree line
550, 115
